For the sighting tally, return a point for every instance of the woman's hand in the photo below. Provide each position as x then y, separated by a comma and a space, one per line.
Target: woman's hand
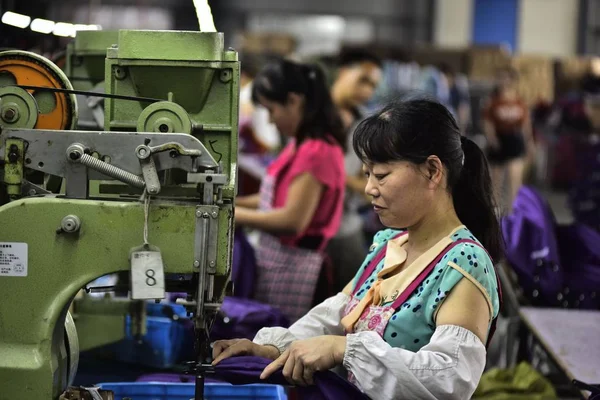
223, 349
304, 357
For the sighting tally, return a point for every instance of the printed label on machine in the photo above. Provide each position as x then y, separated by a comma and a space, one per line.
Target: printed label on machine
13, 259
147, 275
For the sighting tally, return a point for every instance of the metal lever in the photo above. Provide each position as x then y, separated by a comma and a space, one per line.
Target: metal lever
174, 148
144, 154
76, 153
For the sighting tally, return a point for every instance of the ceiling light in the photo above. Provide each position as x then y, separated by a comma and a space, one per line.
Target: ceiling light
42, 25
83, 27
64, 29
14, 19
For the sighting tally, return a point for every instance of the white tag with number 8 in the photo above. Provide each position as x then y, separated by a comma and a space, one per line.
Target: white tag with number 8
147, 274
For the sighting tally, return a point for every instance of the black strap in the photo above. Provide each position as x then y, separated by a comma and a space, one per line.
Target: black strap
90, 94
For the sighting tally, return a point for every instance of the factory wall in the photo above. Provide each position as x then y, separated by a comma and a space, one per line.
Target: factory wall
453, 23
546, 27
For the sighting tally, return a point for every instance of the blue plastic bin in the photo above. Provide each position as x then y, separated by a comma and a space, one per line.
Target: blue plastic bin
158, 310
185, 391
165, 344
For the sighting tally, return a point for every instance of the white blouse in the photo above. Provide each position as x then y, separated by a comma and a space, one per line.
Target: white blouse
449, 367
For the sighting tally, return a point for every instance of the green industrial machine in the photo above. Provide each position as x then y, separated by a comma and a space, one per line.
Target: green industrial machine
167, 155
84, 67
86, 54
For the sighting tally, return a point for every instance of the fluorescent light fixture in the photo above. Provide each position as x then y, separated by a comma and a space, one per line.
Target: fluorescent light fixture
83, 27
14, 19
204, 14
64, 29
42, 25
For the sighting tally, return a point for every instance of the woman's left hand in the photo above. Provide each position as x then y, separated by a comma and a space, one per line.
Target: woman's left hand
304, 357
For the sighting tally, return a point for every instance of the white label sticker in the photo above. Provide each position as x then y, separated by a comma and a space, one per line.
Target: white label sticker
147, 275
13, 259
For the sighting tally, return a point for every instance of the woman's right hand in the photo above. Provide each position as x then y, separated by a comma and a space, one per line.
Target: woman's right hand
223, 349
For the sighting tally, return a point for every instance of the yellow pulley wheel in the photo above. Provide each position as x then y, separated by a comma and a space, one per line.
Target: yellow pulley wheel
57, 111
164, 117
18, 108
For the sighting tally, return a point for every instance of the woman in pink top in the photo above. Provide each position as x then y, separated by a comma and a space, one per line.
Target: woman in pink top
299, 207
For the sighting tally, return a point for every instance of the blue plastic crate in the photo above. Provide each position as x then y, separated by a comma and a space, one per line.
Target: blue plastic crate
165, 344
159, 310
185, 391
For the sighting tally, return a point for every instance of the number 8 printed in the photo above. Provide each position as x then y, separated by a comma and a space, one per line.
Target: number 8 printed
150, 280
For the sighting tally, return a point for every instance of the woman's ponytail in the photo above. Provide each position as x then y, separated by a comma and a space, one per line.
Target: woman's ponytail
474, 200
320, 115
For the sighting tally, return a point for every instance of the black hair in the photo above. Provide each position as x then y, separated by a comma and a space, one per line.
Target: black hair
413, 130
357, 56
249, 65
321, 119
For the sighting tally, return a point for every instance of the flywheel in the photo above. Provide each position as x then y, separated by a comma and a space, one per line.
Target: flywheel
53, 110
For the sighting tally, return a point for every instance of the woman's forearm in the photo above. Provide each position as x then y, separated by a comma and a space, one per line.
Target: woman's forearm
250, 201
277, 221
449, 367
323, 319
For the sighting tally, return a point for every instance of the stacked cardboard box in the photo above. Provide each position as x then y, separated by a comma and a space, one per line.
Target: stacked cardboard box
570, 71
536, 78
456, 59
267, 43
484, 62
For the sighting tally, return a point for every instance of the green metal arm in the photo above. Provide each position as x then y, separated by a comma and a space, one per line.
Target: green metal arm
33, 308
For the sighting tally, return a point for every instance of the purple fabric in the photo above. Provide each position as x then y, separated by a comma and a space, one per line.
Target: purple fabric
557, 266
246, 370
580, 257
170, 378
531, 247
584, 196
243, 267
243, 318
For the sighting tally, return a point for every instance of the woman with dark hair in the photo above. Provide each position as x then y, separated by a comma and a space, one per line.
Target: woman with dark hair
414, 321
508, 130
299, 208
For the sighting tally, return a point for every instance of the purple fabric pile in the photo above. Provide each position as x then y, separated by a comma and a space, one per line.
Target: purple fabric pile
247, 370
557, 265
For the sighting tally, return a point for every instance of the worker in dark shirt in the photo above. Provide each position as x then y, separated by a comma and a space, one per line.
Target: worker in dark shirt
359, 74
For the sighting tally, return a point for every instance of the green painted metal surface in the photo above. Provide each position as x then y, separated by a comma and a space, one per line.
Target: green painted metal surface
60, 264
195, 73
85, 57
170, 45
193, 68
166, 117
18, 108
13, 168
101, 321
